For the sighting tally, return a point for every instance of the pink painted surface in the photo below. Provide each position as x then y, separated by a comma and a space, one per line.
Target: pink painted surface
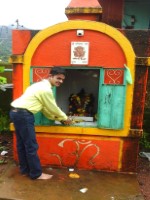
17, 78
21, 39
84, 3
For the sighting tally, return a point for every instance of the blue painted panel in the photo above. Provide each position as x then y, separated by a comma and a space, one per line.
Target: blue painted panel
40, 119
141, 10
111, 113
37, 118
111, 105
118, 103
105, 103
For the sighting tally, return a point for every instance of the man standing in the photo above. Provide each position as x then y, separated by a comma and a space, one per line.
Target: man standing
37, 97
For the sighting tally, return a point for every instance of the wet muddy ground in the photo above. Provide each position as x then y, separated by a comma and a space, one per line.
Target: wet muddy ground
88, 185
72, 185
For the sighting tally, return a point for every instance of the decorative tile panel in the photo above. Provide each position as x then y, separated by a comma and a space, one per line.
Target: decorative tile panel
40, 73
113, 76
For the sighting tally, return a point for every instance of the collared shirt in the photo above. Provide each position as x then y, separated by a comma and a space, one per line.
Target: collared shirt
39, 97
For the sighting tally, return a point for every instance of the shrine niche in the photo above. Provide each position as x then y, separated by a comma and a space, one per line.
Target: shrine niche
97, 94
81, 104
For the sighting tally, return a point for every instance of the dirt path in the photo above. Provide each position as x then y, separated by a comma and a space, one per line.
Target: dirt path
143, 177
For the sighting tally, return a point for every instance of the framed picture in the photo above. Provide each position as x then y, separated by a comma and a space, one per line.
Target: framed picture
79, 53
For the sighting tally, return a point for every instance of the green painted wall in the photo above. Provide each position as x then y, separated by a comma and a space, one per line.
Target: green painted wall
141, 10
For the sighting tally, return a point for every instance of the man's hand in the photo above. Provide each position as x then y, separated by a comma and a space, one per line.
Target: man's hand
67, 122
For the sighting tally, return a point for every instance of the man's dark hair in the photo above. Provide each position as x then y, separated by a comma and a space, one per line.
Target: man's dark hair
58, 70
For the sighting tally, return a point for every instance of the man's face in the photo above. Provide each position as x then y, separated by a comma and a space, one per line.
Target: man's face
56, 80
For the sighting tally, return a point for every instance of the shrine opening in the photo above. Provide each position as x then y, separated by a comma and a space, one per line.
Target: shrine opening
97, 92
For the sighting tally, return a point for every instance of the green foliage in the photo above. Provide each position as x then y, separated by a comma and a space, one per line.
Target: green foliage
145, 140
3, 80
4, 121
2, 69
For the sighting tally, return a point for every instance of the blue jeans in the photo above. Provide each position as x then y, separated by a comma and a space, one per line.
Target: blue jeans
26, 142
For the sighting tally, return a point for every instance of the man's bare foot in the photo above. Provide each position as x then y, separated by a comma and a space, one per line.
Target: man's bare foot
45, 176
24, 174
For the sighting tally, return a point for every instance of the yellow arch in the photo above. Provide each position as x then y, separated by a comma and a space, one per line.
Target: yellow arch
77, 24
122, 41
